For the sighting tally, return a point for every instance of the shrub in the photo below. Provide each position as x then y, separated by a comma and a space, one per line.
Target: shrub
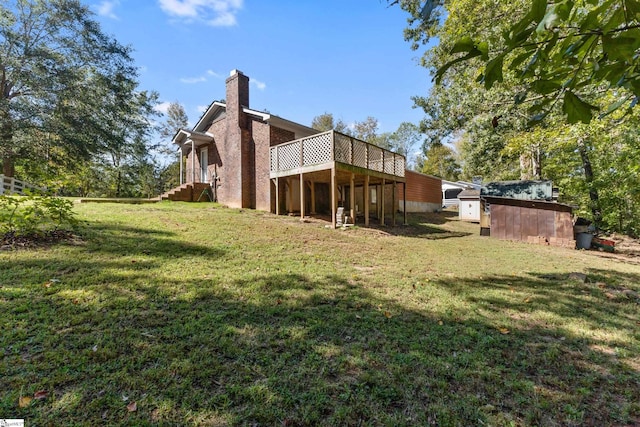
35, 215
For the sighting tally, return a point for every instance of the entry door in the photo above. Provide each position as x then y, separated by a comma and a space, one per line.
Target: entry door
204, 163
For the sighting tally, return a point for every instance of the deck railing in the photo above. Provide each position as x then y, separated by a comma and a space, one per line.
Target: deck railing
10, 185
335, 146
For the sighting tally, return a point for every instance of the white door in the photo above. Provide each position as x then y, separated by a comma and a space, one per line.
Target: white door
204, 163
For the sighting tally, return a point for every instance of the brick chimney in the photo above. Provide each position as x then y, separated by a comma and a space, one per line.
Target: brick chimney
237, 150
237, 97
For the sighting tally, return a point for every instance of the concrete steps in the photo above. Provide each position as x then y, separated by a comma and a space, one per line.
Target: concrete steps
189, 192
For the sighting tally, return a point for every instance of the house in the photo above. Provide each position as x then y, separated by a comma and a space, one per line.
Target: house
245, 158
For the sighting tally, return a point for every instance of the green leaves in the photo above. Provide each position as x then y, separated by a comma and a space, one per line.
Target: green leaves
468, 45
538, 9
493, 71
576, 109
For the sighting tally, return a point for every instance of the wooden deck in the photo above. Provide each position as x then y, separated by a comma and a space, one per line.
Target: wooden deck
342, 162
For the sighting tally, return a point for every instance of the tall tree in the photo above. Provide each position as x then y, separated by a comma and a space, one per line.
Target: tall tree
366, 130
168, 175
325, 122
53, 56
440, 160
404, 141
176, 119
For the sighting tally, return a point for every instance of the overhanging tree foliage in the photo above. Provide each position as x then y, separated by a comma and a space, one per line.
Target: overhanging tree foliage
519, 88
558, 51
64, 83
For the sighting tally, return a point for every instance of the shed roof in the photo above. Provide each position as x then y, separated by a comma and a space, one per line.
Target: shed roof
526, 190
533, 204
469, 194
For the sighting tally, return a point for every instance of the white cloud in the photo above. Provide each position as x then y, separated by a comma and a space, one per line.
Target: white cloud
202, 78
258, 84
106, 8
192, 80
162, 107
202, 108
217, 13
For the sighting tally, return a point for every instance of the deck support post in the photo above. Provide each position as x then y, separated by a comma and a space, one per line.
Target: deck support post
393, 204
352, 198
193, 161
302, 196
334, 197
181, 166
404, 201
290, 193
366, 200
277, 196
313, 198
382, 202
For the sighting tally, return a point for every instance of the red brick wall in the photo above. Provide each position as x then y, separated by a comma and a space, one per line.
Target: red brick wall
261, 140
235, 148
279, 136
422, 188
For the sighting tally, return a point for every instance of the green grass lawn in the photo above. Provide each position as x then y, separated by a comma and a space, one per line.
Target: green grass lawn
202, 315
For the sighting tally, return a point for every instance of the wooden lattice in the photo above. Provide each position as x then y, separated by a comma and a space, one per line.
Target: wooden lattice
400, 166
389, 162
342, 148
375, 158
289, 156
316, 149
273, 158
359, 153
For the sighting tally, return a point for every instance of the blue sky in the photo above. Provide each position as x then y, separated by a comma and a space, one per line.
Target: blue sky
303, 57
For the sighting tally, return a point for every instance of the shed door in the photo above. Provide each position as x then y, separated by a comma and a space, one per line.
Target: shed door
204, 163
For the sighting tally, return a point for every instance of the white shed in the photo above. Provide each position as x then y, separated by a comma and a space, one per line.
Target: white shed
450, 191
469, 208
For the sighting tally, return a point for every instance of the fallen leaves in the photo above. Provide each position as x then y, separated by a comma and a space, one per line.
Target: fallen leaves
24, 401
132, 407
50, 283
40, 394
504, 331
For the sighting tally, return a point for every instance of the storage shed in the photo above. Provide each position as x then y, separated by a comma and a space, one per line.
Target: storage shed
534, 221
469, 209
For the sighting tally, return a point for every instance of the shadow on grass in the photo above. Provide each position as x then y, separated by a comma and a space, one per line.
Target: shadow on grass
423, 231
289, 349
133, 241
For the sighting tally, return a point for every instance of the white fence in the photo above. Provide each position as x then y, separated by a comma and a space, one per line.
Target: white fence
10, 185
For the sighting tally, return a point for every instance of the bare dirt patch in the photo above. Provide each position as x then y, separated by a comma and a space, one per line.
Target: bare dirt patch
11, 241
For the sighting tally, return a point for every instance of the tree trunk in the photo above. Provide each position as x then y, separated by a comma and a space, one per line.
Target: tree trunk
588, 175
6, 141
